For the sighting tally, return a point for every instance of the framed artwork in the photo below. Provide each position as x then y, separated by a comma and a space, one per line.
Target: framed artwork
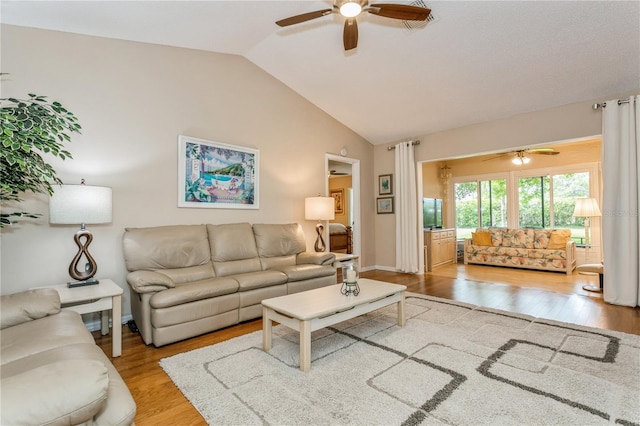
385, 184
384, 205
338, 196
217, 175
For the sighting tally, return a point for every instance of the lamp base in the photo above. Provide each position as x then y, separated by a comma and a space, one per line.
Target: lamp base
90, 281
320, 245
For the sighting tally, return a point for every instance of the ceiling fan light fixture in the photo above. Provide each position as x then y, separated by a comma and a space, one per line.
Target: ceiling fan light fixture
350, 9
520, 160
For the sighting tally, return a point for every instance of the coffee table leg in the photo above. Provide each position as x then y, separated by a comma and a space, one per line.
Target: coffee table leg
305, 345
266, 330
401, 316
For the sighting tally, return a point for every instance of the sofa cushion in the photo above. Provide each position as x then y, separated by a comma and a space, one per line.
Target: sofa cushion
166, 247
197, 290
541, 238
559, 238
481, 238
253, 280
518, 238
279, 240
233, 249
27, 306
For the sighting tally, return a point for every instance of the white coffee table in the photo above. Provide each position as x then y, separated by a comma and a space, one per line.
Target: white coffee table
312, 310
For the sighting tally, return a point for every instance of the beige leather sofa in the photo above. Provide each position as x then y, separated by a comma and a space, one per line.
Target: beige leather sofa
192, 279
52, 371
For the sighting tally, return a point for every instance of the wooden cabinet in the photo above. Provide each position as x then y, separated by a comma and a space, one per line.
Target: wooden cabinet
439, 248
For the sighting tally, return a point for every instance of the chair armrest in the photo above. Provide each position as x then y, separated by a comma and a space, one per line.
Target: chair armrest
64, 392
149, 281
28, 306
315, 258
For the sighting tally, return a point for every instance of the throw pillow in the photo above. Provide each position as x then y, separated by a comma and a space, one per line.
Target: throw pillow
558, 239
481, 238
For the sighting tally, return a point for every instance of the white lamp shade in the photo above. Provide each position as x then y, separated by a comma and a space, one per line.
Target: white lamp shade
319, 208
586, 207
77, 204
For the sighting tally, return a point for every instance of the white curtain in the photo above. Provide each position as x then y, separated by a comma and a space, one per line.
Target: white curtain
620, 219
406, 209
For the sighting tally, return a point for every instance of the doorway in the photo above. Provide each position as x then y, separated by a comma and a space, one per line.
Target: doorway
343, 183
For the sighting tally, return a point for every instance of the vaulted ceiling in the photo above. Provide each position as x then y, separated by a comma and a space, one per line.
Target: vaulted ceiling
476, 61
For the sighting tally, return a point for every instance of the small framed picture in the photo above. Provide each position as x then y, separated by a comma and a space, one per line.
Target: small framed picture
385, 184
338, 196
384, 205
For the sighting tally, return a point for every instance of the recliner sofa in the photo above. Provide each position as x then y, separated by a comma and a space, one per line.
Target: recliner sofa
52, 371
188, 280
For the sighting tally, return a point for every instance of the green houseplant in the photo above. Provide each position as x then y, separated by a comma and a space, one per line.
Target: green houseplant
31, 129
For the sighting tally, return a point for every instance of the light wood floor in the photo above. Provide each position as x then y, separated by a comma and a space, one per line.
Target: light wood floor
541, 294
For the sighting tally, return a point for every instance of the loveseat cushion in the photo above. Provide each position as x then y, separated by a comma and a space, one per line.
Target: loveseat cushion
518, 238
33, 397
305, 272
119, 409
50, 332
315, 258
27, 306
190, 292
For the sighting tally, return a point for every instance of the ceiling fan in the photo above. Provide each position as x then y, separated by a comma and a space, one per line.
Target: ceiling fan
520, 157
350, 9
337, 173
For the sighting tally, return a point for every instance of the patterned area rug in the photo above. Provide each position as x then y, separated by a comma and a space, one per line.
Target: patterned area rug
453, 363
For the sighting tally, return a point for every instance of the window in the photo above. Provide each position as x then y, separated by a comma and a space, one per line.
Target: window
535, 209
524, 199
481, 202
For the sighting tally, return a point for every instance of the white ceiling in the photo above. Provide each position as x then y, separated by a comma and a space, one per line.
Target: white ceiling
478, 61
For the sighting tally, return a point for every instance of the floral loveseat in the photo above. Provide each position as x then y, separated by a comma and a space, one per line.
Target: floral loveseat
544, 249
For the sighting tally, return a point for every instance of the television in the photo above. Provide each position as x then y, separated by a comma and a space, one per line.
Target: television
432, 213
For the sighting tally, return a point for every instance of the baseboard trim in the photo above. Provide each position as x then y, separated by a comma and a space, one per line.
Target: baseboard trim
95, 324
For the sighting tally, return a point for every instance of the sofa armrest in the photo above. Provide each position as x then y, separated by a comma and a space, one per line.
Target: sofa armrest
149, 281
64, 392
315, 258
27, 306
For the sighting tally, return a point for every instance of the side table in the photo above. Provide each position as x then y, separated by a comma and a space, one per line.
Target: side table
103, 297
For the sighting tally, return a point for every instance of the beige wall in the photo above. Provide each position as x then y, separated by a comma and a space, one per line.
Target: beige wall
133, 100
568, 122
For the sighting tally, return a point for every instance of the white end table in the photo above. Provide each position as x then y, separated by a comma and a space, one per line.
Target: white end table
103, 297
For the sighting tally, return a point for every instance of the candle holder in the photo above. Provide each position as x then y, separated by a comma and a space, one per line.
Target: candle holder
350, 277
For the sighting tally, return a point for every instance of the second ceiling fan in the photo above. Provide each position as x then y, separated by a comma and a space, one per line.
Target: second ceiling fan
350, 9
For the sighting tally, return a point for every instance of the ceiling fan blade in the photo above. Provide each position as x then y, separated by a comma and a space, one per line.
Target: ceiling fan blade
400, 11
497, 156
303, 17
536, 152
350, 35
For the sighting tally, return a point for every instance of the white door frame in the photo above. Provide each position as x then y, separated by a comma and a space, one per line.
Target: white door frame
355, 185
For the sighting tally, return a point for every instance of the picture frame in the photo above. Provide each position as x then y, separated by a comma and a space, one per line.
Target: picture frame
385, 184
338, 196
217, 175
384, 205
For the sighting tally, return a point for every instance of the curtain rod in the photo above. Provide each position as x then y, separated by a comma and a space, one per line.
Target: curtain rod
604, 104
414, 143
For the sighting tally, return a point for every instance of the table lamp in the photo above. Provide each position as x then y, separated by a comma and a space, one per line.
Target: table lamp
319, 208
80, 205
587, 208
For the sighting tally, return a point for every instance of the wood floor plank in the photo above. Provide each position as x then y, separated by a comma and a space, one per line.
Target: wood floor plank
548, 295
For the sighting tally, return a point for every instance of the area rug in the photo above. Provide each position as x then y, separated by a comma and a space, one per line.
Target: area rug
452, 363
